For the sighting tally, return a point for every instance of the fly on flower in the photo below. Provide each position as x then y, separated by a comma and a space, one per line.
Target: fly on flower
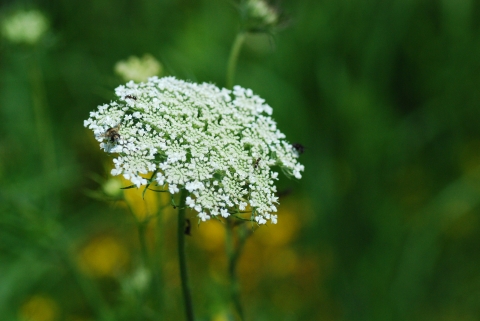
298, 147
255, 165
112, 134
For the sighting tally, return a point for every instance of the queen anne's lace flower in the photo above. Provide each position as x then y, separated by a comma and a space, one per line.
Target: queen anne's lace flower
221, 146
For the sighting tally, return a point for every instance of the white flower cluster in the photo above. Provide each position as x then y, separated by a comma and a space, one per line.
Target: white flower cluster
219, 145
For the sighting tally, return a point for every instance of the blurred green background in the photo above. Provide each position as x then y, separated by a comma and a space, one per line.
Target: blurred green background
384, 225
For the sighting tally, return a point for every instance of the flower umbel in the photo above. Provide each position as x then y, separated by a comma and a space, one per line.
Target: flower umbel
221, 146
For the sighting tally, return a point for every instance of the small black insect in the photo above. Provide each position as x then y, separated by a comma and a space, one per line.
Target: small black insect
188, 227
298, 147
131, 97
112, 134
255, 165
284, 193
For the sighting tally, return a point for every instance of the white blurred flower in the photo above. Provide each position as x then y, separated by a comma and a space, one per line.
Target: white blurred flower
112, 187
219, 145
138, 282
25, 27
259, 15
138, 69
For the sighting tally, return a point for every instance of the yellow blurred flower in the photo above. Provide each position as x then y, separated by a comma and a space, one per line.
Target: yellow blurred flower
211, 236
39, 308
268, 252
250, 265
284, 232
280, 262
138, 69
141, 207
221, 316
103, 256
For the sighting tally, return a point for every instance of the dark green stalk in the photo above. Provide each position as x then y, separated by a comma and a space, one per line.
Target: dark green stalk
233, 254
146, 263
232, 60
146, 260
158, 259
142, 227
182, 258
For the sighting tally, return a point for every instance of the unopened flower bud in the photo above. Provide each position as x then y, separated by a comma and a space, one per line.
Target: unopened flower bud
259, 16
138, 69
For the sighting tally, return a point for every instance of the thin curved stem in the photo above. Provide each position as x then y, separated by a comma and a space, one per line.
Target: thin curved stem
142, 227
233, 254
182, 258
159, 258
232, 60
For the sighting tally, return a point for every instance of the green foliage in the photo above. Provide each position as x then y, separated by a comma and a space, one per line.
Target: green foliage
384, 96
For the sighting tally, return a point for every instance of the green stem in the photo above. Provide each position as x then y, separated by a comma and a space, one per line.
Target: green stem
142, 227
152, 264
233, 254
159, 258
146, 263
232, 60
182, 258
